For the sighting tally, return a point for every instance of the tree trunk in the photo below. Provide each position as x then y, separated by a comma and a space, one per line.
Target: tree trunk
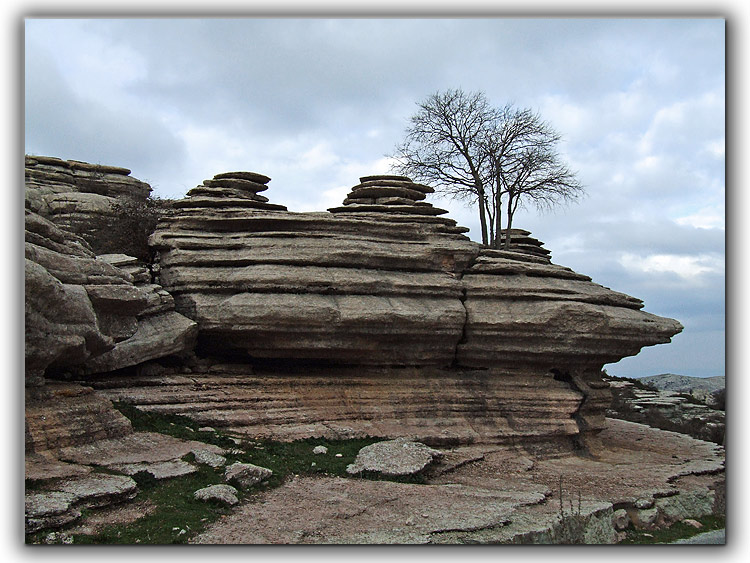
498, 223
510, 222
481, 200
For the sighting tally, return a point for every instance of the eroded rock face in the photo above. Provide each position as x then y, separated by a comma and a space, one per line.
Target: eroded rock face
361, 286
78, 196
384, 282
85, 313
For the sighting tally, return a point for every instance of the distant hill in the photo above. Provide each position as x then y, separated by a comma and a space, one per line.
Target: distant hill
684, 383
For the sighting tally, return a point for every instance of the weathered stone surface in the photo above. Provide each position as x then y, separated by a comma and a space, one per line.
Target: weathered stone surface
239, 184
387, 191
620, 519
394, 458
70, 415
138, 447
44, 467
317, 450
159, 470
80, 308
225, 494
156, 336
640, 405
433, 406
387, 286
229, 191
49, 510
245, 475
78, 196
99, 489
209, 458
558, 323
251, 176
314, 286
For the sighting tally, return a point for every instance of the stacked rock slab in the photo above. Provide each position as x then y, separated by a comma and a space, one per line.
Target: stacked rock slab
78, 196
375, 288
525, 314
522, 241
412, 329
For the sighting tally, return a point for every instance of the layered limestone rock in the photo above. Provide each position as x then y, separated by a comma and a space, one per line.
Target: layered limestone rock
78, 196
83, 313
364, 287
434, 337
435, 406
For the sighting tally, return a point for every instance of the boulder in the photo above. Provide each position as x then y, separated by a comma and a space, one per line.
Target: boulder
394, 458
86, 314
209, 458
225, 494
245, 475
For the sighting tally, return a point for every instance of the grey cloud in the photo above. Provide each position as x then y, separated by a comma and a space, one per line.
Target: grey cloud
60, 124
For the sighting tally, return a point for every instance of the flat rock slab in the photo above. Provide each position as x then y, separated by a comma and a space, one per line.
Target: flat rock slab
43, 468
99, 489
394, 458
159, 470
338, 510
148, 447
49, 510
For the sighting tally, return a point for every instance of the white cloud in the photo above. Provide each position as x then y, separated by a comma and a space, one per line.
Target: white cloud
711, 217
687, 267
715, 148
320, 155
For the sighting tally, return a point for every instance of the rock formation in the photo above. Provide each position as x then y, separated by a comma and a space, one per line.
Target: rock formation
381, 318
80, 197
86, 314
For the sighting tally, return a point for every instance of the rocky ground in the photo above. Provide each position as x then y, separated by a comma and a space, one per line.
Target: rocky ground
643, 478
232, 306
491, 495
667, 410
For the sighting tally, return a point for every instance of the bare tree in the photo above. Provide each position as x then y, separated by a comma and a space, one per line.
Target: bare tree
527, 167
493, 158
444, 146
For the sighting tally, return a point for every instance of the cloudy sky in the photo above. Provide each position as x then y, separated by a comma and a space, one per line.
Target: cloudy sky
316, 103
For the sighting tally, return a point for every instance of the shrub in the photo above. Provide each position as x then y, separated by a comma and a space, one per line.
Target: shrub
127, 231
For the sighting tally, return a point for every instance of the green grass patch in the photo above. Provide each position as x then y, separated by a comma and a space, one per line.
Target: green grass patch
172, 424
178, 515
677, 531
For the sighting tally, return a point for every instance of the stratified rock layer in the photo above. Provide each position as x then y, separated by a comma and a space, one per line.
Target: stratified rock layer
431, 405
78, 196
384, 282
356, 288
